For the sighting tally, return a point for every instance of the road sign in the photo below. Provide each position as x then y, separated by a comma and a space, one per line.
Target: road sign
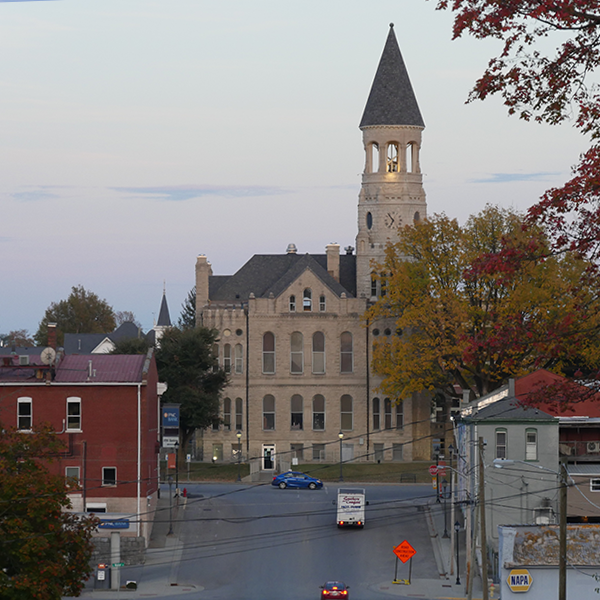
441, 468
519, 580
433, 470
404, 551
118, 564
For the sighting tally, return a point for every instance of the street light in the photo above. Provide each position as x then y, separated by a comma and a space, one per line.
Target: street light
341, 436
562, 523
456, 530
177, 471
239, 438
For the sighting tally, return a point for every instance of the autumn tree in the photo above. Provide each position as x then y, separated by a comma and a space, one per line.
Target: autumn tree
81, 312
461, 327
126, 316
45, 552
187, 318
17, 337
187, 364
549, 88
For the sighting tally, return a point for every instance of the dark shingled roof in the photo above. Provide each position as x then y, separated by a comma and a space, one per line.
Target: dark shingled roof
510, 409
266, 274
164, 319
392, 100
84, 343
105, 368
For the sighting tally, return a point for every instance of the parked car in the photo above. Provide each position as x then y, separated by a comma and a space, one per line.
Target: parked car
295, 479
334, 589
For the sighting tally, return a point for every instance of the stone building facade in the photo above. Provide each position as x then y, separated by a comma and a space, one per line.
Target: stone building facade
293, 336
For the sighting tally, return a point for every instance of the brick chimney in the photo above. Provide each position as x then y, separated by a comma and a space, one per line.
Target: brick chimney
203, 272
333, 260
52, 335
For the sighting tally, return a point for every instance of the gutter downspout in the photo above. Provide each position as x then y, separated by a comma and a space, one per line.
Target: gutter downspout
247, 311
368, 391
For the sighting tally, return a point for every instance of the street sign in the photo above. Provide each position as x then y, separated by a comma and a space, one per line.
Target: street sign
441, 468
404, 551
519, 580
118, 564
113, 524
433, 470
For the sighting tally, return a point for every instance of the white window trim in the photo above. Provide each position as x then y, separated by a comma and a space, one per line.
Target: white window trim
73, 399
595, 484
25, 400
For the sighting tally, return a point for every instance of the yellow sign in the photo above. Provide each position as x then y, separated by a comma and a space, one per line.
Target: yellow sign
519, 580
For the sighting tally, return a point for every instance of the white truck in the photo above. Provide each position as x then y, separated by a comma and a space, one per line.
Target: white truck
351, 507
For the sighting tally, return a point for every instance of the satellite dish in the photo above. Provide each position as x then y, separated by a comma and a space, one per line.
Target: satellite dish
48, 355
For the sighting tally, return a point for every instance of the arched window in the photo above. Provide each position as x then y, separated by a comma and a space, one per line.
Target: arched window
269, 412
296, 352
346, 353
268, 353
227, 358
374, 286
292, 303
392, 158
227, 414
346, 413
318, 410
369, 220
239, 423
373, 167
376, 415
410, 157
417, 217
297, 412
318, 352
387, 404
307, 300
322, 303
239, 359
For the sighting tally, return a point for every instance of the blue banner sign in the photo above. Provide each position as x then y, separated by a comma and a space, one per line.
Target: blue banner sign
170, 416
114, 524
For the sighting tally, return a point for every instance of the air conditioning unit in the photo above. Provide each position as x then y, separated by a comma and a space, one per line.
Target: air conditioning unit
593, 447
23, 360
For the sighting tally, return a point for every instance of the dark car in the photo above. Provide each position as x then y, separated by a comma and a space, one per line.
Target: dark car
295, 479
334, 589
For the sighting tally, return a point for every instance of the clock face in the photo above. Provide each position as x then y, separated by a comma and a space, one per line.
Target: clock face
392, 219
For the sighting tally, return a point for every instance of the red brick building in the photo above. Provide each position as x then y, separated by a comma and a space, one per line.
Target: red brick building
106, 409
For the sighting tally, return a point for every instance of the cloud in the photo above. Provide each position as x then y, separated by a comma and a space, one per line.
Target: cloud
33, 195
512, 177
180, 193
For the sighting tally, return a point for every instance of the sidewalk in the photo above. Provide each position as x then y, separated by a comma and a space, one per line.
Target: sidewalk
445, 586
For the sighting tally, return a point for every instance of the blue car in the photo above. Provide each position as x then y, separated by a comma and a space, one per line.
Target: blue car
294, 479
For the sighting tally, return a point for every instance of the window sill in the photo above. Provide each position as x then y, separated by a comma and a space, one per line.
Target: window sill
73, 430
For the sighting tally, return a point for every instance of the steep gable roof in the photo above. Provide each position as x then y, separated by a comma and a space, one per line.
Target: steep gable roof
391, 100
164, 319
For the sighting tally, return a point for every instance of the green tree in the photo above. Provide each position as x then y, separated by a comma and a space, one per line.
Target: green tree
45, 552
81, 312
464, 326
187, 318
187, 364
131, 346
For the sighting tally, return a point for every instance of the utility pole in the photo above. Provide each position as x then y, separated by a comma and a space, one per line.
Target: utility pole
562, 551
483, 529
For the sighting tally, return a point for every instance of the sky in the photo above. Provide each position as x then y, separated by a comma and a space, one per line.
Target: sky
138, 134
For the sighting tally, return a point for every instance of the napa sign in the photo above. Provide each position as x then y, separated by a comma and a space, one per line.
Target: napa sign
519, 580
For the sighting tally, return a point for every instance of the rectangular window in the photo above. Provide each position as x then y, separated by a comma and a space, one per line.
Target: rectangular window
322, 304
297, 451
500, 443
397, 452
227, 414
24, 414
72, 476
297, 413
239, 359
227, 358
376, 415
378, 452
318, 452
399, 415
109, 476
346, 413
594, 485
217, 453
269, 412
346, 353
74, 414
531, 444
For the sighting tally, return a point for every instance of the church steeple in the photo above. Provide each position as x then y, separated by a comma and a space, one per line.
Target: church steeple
392, 100
392, 192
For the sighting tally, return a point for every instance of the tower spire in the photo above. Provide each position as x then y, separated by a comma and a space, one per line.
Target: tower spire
392, 100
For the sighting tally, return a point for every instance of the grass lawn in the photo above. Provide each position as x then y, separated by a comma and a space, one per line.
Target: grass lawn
408, 472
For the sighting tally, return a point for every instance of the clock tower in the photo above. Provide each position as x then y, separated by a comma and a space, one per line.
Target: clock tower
392, 192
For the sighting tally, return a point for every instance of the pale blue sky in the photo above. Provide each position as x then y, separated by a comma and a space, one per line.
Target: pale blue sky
137, 134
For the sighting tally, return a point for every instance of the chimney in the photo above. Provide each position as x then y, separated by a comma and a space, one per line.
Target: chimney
203, 272
333, 260
52, 335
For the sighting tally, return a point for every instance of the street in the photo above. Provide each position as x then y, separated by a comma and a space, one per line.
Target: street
261, 543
